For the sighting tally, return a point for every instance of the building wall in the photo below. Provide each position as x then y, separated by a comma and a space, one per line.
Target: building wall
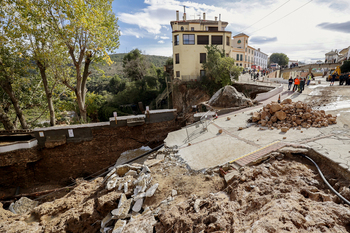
189, 64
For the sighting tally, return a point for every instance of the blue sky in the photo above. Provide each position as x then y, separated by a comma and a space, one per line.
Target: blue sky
303, 29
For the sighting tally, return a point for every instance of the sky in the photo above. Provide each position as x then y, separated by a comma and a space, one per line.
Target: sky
302, 29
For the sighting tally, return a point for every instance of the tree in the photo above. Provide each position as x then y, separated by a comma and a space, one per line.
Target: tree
218, 67
12, 67
38, 39
345, 67
88, 30
135, 66
279, 58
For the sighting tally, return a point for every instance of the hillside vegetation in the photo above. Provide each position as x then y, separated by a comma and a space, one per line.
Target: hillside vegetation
117, 67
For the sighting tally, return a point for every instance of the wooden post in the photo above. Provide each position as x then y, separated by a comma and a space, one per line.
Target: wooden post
167, 89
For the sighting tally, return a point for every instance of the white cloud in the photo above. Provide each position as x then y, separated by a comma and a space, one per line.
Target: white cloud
131, 32
161, 42
297, 34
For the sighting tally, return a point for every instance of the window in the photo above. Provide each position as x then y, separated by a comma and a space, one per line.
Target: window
241, 58
240, 64
177, 74
176, 40
182, 28
192, 28
202, 39
202, 57
213, 29
245, 58
249, 51
216, 40
202, 73
188, 39
246, 49
236, 64
177, 58
239, 41
237, 58
227, 40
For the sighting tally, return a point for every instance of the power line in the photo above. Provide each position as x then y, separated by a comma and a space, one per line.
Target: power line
282, 17
266, 15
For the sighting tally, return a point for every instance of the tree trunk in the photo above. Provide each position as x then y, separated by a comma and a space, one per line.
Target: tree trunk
8, 89
48, 93
6, 121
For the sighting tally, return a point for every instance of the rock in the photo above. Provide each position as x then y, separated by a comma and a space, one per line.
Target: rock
275, 107
131, 173
265, 115
138, 205
196, 205
143, 223
173, 192
106, 220
125, 187
160, 156
23, 205
284, 129
152, 190
230, 176
228, 97
123, 207
119, 226
274, 118
284, 137
145, 169
256, 117
122, 169
281, 115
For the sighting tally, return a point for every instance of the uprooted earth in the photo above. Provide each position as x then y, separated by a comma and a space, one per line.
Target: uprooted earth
282, 194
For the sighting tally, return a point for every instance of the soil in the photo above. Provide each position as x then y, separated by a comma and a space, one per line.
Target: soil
282, 195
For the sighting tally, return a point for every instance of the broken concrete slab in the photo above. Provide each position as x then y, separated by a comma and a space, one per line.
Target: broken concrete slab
119, 226
138, 205
150, 192
23, 205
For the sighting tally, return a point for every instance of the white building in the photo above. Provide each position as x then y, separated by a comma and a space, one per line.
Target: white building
332, 57
260, 59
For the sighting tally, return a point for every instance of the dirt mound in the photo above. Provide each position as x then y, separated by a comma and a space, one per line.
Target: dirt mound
282, 196
288, 114
228, 97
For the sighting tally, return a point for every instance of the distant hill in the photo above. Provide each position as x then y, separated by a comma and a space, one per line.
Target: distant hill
117, 66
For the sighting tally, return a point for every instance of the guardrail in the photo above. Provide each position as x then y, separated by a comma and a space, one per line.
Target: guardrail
17, 131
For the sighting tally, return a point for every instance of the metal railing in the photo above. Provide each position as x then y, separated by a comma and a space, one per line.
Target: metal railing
204, 121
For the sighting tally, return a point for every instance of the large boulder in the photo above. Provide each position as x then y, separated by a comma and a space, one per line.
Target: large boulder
228, 97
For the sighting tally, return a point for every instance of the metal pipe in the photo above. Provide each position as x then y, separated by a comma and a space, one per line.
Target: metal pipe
324, 179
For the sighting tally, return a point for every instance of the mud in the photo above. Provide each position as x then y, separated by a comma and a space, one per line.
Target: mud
284, 194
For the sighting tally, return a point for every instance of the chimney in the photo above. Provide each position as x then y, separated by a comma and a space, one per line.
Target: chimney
216, 18
184, 17
177, 15
203, 16
219, 17
219, 24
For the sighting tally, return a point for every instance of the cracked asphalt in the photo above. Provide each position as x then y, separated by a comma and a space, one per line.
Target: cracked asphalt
208, 148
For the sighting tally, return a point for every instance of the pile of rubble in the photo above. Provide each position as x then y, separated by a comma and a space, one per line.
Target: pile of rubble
134, 181
288, 114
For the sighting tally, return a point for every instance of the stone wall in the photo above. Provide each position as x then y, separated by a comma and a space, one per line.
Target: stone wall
61, 164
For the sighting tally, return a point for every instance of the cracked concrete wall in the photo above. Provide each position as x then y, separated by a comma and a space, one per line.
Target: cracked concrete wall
71, 160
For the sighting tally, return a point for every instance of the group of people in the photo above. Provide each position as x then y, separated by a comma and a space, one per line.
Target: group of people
299, 83
344, 79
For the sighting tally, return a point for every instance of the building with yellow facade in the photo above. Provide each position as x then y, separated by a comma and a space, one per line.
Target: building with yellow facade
189, 40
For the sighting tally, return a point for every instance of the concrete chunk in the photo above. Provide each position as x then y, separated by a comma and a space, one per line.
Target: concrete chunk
138, 205
150, 192
119, 226
23, 205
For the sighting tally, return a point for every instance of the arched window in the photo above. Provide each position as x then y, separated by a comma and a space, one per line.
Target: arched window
182, 28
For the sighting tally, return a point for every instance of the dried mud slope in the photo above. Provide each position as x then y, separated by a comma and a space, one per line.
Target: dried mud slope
281, 195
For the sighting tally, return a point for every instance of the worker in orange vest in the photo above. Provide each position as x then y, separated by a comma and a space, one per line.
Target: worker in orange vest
296, 83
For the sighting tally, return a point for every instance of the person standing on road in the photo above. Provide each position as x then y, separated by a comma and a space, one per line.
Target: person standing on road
333, 78
290, 83
302, 83
296, 83
308, 79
